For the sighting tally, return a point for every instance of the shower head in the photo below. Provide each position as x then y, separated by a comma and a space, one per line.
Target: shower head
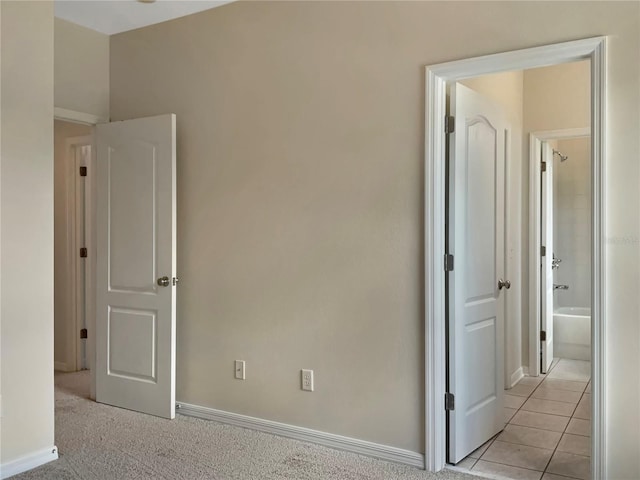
562, 157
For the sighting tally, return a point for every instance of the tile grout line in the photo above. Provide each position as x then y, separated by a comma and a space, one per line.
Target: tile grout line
546, 375
561, 433
545, 379
519, 467
509, 423
560, 389
565, 429
495, 438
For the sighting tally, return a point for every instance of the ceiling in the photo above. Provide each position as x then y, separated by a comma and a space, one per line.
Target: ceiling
115, 16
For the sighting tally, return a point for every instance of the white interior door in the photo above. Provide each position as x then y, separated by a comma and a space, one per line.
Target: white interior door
136, 264
476, 304
546, 289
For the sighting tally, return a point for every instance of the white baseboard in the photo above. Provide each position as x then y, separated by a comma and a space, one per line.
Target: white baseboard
331, 440
28, 462
60, 366
516, 376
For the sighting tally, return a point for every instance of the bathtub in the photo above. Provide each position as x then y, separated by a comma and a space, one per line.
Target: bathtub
572, 333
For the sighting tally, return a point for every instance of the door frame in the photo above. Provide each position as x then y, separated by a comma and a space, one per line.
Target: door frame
436, 79
535, 215
76, 299
90, 120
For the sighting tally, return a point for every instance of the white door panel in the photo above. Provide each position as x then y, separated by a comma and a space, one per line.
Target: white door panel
136, 245
476, 240
480, 210
546, 289
132, 236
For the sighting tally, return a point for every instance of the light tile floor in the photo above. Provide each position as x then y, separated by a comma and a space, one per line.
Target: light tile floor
548, 432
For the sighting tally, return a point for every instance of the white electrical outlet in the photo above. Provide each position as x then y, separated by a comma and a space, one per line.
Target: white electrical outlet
240, 370
307, 380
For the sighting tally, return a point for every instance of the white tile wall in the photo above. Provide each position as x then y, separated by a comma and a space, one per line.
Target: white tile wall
572, 222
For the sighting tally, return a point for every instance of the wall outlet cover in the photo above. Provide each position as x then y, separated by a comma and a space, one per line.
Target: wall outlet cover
307, 380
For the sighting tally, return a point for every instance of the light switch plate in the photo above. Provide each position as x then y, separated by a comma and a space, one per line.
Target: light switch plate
240, 369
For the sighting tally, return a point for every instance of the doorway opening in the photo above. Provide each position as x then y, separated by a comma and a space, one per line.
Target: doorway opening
74, 243
563, 281
497, 263
73, 221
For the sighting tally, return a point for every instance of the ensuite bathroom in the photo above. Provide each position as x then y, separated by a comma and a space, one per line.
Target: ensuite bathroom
572, 252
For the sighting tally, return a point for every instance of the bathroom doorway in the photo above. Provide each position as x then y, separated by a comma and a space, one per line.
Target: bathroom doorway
565, 246
545, 403
541, 418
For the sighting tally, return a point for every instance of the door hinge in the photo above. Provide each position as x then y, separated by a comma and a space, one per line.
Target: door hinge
543, 251
83, 171
448, 263
449, 401
543, 336
83, 333
83, 252
449, 124
544, 166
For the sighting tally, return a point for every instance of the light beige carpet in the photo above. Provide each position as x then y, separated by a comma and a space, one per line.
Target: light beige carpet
96, 441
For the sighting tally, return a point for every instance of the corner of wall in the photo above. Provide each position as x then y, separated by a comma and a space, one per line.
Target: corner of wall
81, 69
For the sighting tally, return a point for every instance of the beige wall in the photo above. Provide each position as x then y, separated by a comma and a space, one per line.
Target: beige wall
507, 89
64, 328
81, 69
555, 98
300, 193
26, 199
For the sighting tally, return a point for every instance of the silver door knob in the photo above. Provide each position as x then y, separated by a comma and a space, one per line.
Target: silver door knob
164, 281
504, 284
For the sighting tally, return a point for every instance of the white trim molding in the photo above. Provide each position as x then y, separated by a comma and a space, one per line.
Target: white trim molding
436, 80
598, 267
330, 440
28, 462
516, 377
77, 117
79, 218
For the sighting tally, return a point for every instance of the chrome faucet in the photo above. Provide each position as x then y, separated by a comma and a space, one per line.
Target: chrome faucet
560, 287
